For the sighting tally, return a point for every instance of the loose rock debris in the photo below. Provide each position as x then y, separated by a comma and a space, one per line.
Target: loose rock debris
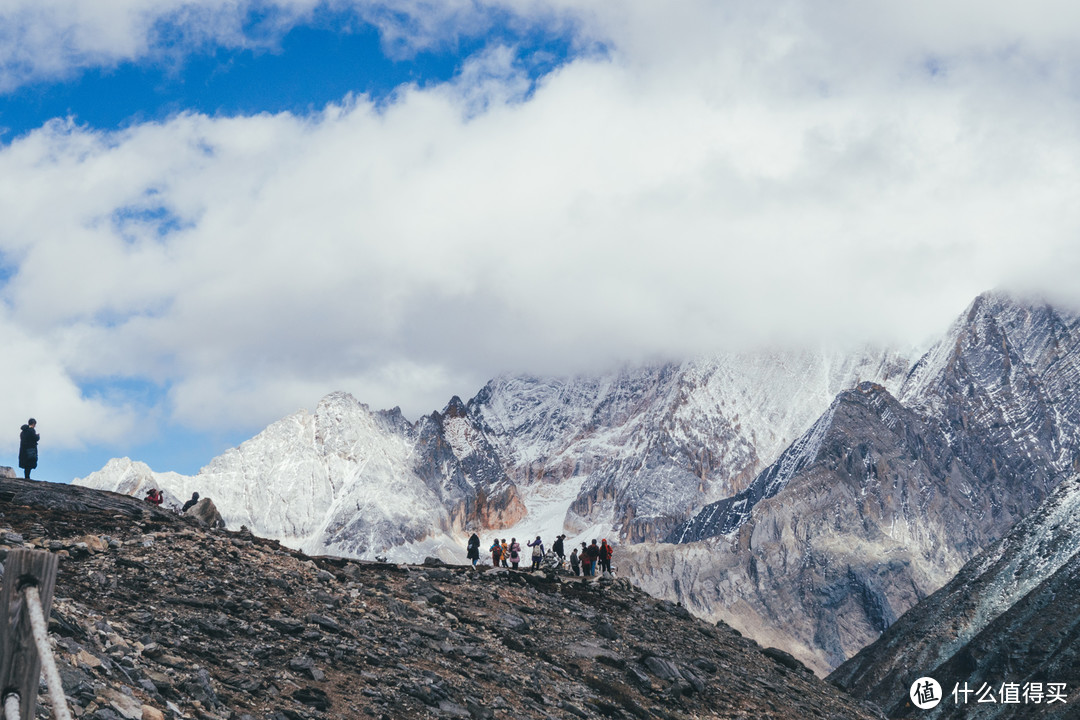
155, 617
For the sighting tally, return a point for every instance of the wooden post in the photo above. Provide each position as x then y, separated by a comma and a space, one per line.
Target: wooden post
20, 666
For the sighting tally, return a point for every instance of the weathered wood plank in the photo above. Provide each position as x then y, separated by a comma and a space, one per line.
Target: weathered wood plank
20, 666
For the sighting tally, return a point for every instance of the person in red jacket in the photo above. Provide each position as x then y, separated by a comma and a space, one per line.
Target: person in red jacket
154, 497
605, 556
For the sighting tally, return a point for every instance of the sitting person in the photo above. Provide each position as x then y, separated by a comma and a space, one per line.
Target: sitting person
154, 497
190, 503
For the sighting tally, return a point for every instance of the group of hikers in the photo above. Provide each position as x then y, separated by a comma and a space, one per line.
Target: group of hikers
583, 562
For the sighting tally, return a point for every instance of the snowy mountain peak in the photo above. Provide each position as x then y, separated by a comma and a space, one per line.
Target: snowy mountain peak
641, 448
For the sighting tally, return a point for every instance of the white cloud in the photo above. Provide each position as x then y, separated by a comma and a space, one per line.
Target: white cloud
34, 381
725, 176
42, 39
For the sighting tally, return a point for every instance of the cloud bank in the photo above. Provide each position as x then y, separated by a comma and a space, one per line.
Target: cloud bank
724, 175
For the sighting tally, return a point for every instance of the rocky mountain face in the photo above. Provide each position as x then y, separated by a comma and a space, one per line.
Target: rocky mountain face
1008, 621
155, 616
649, 446
1003, 386
881, 500
345, 480
856, 522
456, 459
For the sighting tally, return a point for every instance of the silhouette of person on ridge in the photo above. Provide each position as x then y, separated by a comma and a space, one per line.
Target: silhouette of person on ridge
28, 442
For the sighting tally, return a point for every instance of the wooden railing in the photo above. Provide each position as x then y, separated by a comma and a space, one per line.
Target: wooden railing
25, 600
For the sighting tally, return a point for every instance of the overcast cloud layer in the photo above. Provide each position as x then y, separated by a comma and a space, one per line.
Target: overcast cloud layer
724, 174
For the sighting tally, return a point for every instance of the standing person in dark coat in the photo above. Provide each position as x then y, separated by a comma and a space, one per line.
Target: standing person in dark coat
191, 503
558, 549
28, 440
575, 564
474, 549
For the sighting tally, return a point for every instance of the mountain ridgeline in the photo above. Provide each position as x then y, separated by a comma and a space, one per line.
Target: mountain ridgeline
641, 450
808, 499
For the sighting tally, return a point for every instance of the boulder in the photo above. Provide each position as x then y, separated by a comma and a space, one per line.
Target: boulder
206, 513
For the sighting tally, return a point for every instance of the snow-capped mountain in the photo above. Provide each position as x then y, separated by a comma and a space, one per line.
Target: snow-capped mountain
651, 445
344, 480
1001, 388
627, 455
880, 501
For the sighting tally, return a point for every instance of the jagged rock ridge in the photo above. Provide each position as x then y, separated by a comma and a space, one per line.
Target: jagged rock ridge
1000, 387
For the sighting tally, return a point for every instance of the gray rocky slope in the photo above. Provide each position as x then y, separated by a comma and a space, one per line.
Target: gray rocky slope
1010, 616
157, 617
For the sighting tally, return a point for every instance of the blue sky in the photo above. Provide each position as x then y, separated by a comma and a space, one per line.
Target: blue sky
297, 70
211, 215
310, 65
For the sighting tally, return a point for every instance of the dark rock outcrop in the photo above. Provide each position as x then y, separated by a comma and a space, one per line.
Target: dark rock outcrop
457, 461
